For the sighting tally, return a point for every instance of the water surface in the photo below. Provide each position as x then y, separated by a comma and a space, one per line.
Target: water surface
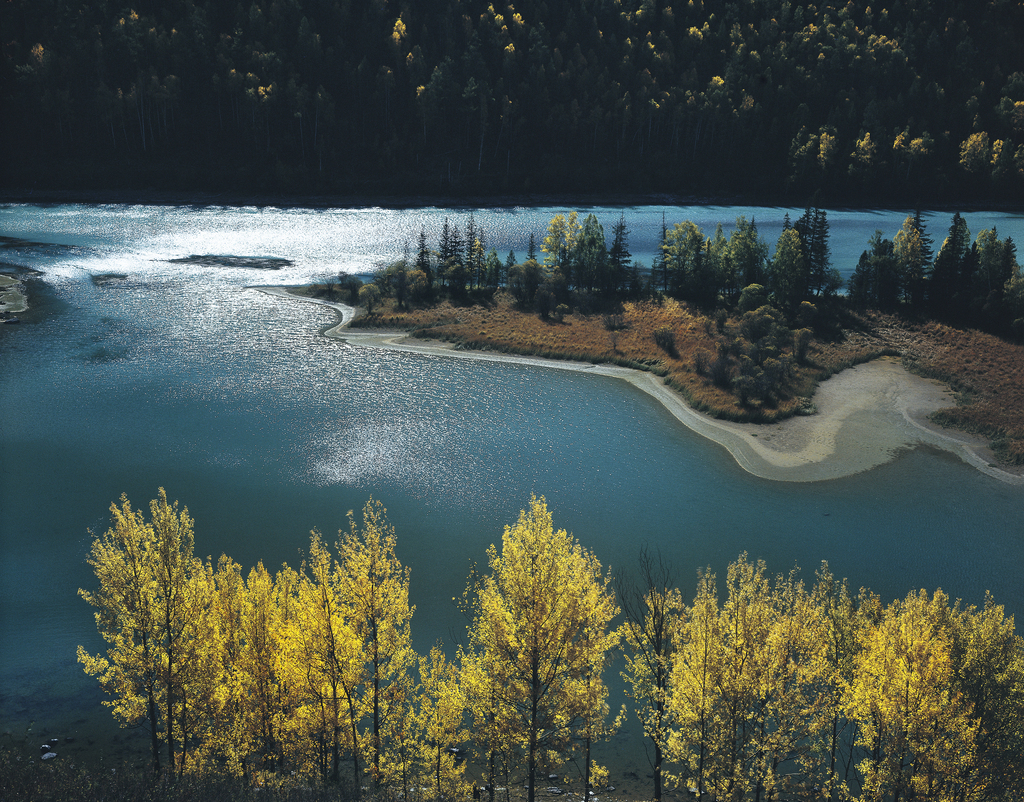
179, 375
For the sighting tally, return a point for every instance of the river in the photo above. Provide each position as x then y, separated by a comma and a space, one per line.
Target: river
134, 372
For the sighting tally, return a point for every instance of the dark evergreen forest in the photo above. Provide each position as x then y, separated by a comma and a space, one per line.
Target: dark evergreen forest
913, 101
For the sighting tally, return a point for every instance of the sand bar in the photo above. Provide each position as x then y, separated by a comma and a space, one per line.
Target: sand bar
864, 416
12, 294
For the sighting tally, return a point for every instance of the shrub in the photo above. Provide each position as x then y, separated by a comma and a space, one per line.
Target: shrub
721, 370
615, 322
752, 297
665, 339
801, 342
545, 300
701, 362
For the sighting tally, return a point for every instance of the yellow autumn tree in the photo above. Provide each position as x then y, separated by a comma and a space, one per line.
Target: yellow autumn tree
789, 675
988, 664
744, 626
828, 759
199, 676
126, 619
534, 617
694, 702
591, 694
152, 610
560, 240
248, 702
481, 679
374, 587
324, 661
915, 726
746, 689
441, 725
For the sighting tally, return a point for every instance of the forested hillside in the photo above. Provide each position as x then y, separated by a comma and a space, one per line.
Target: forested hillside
913, 101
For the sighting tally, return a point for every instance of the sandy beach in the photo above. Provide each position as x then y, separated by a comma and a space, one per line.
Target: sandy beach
864, 416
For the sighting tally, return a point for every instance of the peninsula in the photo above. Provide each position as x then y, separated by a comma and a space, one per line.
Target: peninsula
858, 418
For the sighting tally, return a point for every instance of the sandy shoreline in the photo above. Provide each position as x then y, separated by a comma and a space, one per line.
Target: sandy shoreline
12, 295
865, 415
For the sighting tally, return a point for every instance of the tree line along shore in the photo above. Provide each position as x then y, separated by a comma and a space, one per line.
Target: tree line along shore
741, 332
770, 99
763, 687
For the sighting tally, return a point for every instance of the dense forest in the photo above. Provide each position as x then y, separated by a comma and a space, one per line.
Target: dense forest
913, 100
765, 689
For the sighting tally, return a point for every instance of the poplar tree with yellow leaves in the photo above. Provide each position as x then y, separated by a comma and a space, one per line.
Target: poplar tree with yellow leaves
591, 693
324, 659
126, 620
829, 759
246, 676
151, 612
988, 662
747, 693
262, 695
915, 726
697, 666
535, 618
789, 692
441, 724
744, 623
480, 676
374, 587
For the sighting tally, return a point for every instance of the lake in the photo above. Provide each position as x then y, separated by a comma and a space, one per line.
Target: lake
182, 376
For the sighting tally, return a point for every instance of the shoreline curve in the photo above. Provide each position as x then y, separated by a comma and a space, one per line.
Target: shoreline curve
866, 415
